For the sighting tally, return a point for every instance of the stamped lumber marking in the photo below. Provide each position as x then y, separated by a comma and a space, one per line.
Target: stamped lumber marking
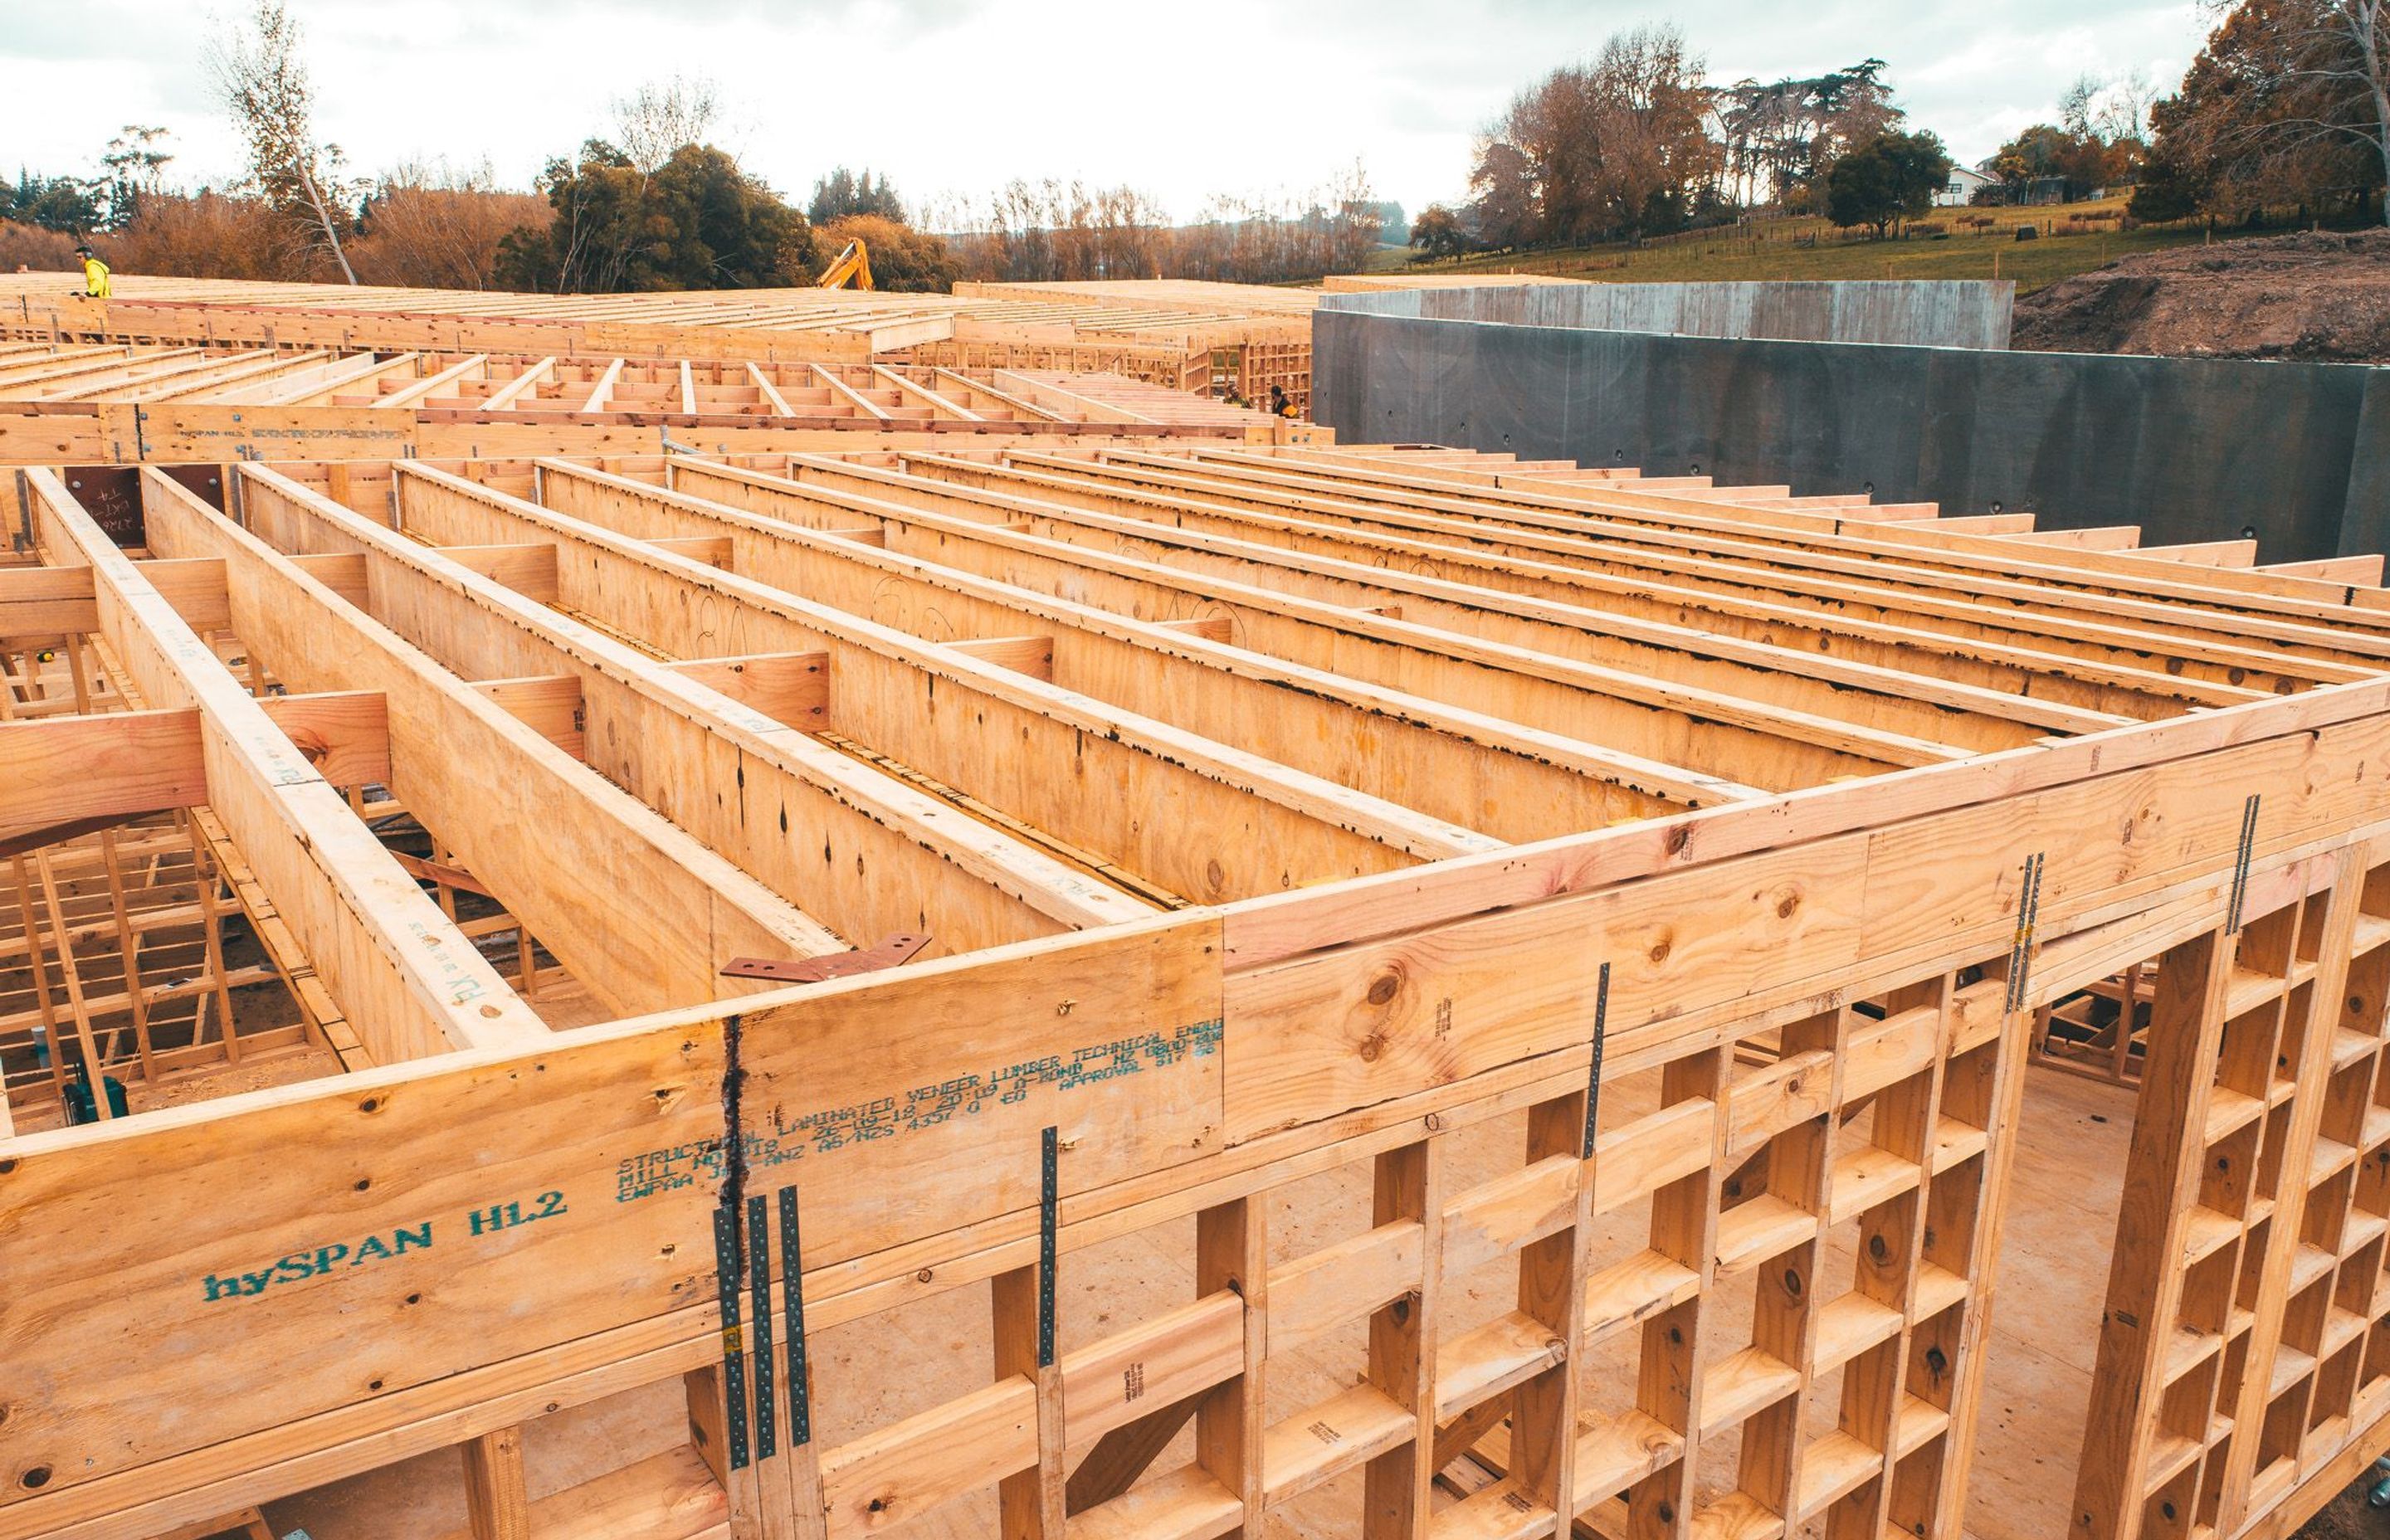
969, 1094
319, 1262
342, 1256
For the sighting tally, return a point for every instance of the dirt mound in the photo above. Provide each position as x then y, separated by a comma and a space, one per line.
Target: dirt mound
2323, 297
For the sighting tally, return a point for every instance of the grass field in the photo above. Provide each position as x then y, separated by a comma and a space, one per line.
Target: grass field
1810, 248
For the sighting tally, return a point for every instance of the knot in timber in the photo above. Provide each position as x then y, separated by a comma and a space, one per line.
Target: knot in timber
1385, 986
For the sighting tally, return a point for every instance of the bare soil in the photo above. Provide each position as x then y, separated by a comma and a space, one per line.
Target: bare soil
2320, 296
2347, 1517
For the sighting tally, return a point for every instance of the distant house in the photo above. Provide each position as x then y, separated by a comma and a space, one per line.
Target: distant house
1961, 188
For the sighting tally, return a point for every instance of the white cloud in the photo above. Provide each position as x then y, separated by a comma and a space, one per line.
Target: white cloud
956, 97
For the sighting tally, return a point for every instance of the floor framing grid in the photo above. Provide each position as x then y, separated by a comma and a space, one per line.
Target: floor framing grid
722, 908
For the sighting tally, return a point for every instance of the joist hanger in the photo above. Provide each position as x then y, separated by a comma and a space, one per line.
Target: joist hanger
900, 948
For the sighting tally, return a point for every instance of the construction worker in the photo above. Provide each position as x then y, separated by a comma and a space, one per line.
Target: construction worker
95, 274
1279, 406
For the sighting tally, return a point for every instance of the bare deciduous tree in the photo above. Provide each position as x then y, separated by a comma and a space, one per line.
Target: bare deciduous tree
263, 82
662, 116
1055, 231
2356, 60
2289, 102
440, 227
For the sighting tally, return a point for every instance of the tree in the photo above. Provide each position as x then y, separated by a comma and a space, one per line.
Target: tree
1617, 146
60, 203
1891, 176
1437, 232
1056, 231
1781, 138
1503, 199
2097, 142
1049, 231
699, 222
1345, 222
136, 162
437, 228
662, 116
2289, 102
902, 259
263, 83
210, 235
842, 194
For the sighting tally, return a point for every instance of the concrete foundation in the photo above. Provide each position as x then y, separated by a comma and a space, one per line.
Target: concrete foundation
1958, 312
2189, 449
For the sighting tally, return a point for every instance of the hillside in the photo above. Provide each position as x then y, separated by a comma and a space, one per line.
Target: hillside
1954, 243
2322, 297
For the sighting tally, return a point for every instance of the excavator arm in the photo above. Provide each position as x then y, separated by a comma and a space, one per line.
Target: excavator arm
853, 265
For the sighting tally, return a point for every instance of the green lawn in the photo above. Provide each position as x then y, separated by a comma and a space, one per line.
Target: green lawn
1809, 248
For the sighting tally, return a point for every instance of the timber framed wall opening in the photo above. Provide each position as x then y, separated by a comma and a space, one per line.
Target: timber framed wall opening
1146, 991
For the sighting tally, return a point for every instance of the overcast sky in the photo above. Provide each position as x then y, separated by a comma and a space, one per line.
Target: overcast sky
956, 97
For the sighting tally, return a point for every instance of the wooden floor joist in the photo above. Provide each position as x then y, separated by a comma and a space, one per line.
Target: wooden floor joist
1350, 990
131, 403
1244, 337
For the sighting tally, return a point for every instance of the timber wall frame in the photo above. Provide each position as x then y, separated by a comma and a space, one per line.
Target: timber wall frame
1698, 894
1179, 350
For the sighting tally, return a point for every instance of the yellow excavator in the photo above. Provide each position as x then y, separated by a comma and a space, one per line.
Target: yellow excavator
852, 267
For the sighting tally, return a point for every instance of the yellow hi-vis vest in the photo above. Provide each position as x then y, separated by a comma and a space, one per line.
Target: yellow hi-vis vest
95, 278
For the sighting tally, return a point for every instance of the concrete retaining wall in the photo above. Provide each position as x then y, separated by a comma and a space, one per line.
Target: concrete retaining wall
1968, 312
2189, 449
